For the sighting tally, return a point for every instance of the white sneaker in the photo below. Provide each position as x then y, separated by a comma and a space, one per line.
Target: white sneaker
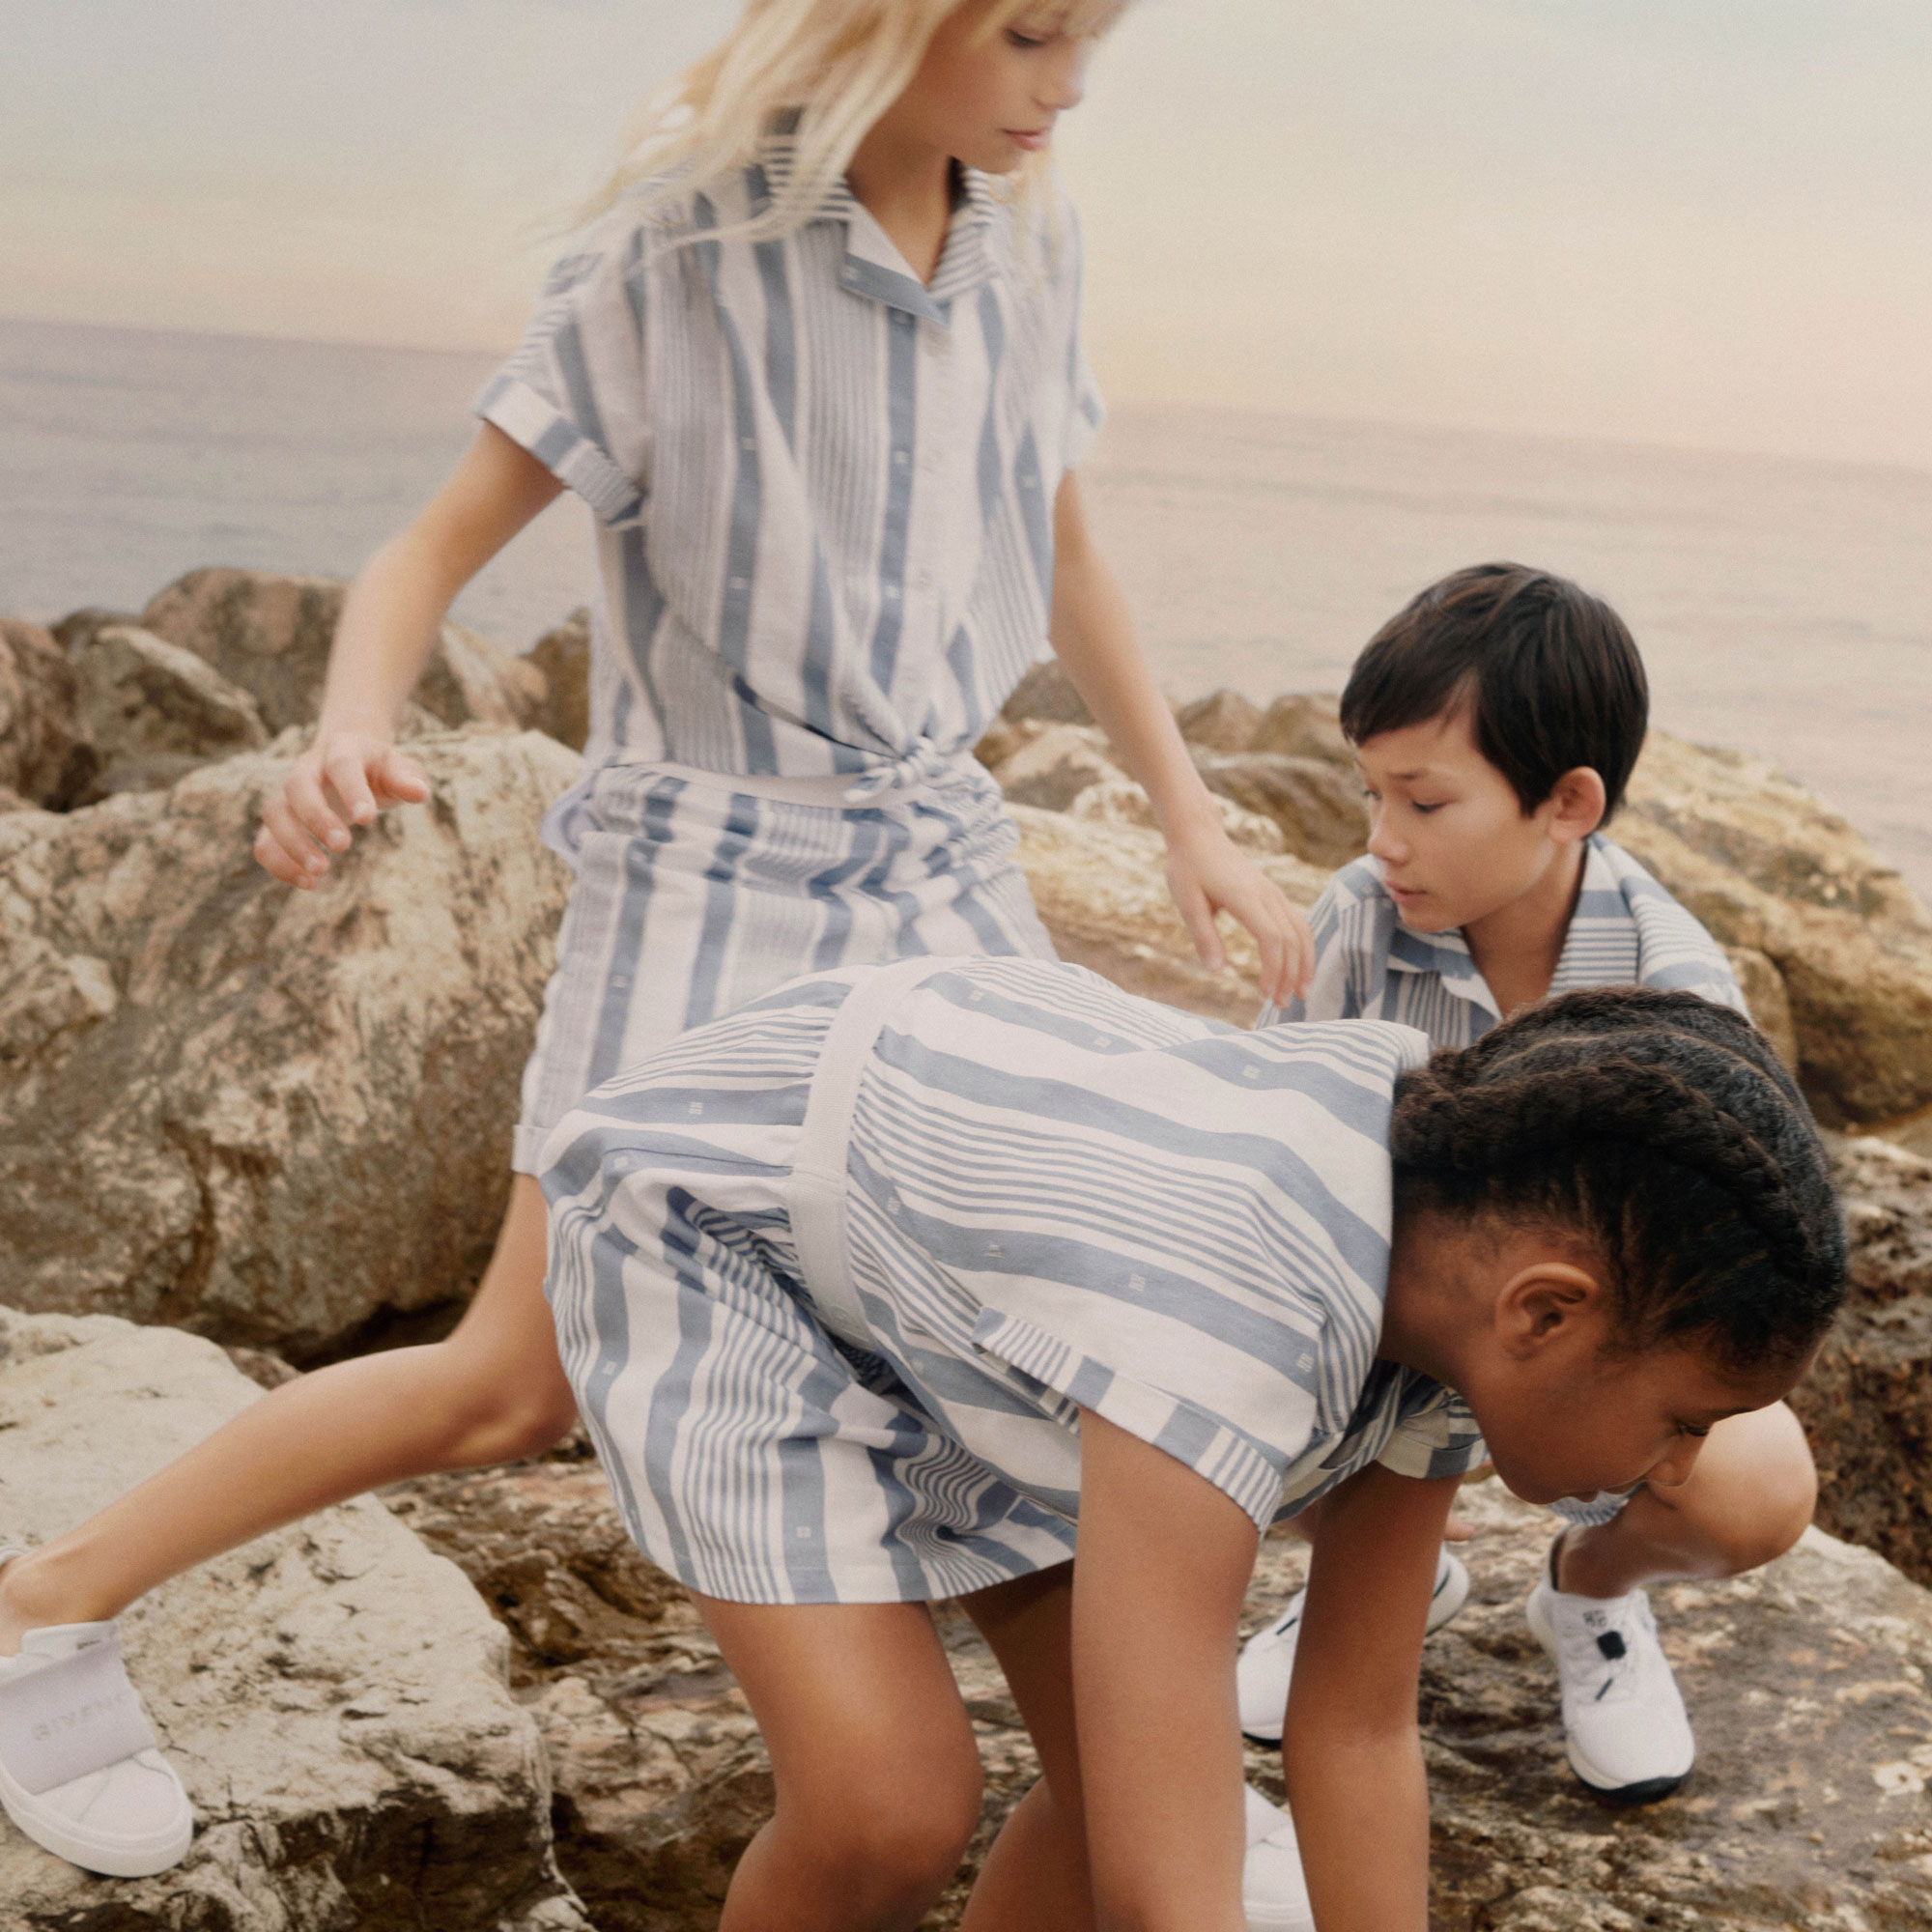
1624, 1722
1267, 1658
1274, 1895
79, 1771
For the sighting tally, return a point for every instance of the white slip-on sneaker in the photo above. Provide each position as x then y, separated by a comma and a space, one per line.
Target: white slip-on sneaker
80, 1773
1624, 1722
1266, 1664
1274, 1895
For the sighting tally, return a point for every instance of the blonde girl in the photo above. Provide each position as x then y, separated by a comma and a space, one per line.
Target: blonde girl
816, 368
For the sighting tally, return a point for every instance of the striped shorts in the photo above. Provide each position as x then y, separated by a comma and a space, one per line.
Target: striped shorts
699, 890
753, 1456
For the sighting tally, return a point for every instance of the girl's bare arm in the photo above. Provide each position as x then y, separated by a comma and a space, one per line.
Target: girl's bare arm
389, 625
1093, 636
1353, 1755
1162, 1564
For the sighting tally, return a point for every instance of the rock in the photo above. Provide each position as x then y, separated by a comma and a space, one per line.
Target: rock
1046, 694
1224, 721
1867, 1401
1305, 725
156, 711
1318, 809
1763, 988
1806, 1681
1120, 801
332, 1696
44, 754
271, 635
279, 1118
563, 656
74, 630
1054, 765
1102, 890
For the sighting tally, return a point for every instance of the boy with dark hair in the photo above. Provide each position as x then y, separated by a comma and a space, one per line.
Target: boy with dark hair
1496, 721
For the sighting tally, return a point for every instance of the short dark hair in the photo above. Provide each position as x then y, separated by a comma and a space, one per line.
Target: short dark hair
1660, 1128
1550, 676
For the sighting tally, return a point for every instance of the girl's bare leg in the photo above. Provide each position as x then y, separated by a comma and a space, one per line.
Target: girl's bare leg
1751, 1493
492, 1391
874, 1761
1035, 1878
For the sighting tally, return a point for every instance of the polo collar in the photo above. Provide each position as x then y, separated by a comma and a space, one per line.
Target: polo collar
873, 267
1580, 963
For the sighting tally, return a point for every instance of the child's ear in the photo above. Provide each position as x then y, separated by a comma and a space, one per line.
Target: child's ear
1544, 1304
1579, 797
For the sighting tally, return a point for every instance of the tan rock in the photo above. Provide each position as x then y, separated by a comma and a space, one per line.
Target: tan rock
275, 1118
1305, 726
563, 656
271, 635
44, 753
1763, 988
1224, 721
332, 1696
1046, 692
1867, 1401
1120, 801
1318, 808
1102, 890
1055, 764
156, 711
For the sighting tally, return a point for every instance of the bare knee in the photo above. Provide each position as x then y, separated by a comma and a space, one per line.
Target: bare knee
1773, 1491
890, 1848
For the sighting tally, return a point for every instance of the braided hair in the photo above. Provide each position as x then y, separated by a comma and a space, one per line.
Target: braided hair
1660, 1128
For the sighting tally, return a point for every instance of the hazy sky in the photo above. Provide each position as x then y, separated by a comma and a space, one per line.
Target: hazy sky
1694, 221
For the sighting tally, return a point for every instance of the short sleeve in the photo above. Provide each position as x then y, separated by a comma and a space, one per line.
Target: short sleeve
573, 393
1438, 1437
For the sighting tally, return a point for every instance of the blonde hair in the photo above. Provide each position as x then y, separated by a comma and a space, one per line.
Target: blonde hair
825, 69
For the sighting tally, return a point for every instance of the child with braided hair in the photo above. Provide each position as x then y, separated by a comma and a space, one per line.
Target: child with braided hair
1496, 721
917, 1281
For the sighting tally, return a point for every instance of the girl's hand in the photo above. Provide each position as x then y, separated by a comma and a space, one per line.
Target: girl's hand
343, 780
1207, 874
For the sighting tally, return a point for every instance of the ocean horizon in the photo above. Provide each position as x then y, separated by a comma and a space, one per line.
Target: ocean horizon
1783, 604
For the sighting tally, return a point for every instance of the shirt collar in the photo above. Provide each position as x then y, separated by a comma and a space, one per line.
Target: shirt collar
873, 267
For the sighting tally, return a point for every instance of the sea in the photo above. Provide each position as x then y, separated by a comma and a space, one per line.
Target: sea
1782, 605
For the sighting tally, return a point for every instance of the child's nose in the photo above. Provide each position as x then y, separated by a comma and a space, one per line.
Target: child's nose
1383, 844
1674, 1470
1066, 83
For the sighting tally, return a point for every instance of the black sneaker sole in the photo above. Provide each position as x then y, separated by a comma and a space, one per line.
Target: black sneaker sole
1628, 1796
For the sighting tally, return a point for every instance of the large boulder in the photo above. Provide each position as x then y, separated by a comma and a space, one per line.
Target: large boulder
156, 711
280, 1118
271, 635
1318, 806
1224, 721
46, 757
1806, 1683
332, 1695
1867, 1401
1767, 867
1101, 889
564, 656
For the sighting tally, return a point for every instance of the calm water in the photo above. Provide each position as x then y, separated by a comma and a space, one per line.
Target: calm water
1781, 606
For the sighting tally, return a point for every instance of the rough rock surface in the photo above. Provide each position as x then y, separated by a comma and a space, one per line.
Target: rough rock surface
332, 1696
1765, 866
1317, 806
564, 656
1224, 721
1867, 1401
275, 1118
1806, 1683
44, 754
156, 711
271, 635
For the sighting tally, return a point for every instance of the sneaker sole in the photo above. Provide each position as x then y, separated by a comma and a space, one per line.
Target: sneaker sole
1625, 1796
1442, 1608
123, 1858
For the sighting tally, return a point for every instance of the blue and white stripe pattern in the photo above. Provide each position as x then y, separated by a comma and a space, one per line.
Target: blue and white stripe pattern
824, 490
1059, 1196
697, 893
1625, 930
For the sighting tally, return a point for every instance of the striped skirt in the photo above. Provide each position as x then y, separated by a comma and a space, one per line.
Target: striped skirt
698, 891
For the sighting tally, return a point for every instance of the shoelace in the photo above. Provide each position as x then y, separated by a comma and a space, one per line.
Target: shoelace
1608, 1653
